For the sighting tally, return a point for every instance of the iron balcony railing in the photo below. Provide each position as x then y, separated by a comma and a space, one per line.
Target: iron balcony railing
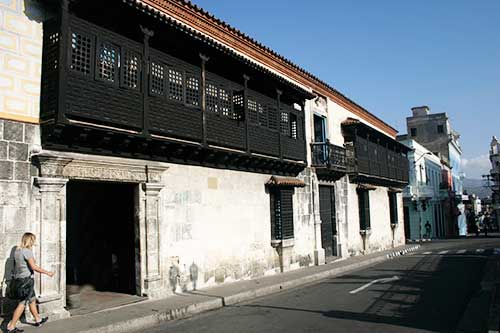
327, 155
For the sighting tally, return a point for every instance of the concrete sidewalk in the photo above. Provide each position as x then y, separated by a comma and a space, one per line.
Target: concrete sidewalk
147, 314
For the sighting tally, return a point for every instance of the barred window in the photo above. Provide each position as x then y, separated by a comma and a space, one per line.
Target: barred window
107, 62
284, 126
252, 111
81, 51
225, 103
192, 91
364, 209
131, 69
238, 103
293, 127
157, 79
281, 213
262, 115
211, 98
272, 118
175, 85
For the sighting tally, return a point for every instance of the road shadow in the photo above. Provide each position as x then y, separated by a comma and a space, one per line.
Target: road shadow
430, 294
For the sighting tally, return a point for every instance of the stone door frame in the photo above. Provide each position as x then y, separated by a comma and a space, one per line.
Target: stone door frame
55, 169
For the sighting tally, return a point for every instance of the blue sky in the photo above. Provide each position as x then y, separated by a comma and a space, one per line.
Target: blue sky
391, 55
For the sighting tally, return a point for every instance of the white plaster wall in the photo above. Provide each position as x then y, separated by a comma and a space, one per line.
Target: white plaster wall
219, 220
381, 236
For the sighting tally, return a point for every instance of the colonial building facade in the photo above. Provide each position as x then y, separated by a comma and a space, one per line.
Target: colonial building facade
435, 133
154, 149
424, 198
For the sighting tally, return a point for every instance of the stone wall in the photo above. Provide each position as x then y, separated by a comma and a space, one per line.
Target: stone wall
17, 140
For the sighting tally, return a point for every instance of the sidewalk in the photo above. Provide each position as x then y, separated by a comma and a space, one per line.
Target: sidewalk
146, 314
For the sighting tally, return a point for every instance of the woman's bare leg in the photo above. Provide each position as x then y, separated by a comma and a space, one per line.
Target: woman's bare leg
34, 311
15, 316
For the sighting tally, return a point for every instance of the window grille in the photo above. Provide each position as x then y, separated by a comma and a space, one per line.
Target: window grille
175, 85
225, 103
284, 126
252, 111
107, 62
281, 214
262, 115
238, 106
293, 127
157, 84
212, 98
272, 118
51, 51
131, 70
192, 91
81, 51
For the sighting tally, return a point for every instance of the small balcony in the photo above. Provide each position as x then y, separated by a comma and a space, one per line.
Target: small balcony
329, 160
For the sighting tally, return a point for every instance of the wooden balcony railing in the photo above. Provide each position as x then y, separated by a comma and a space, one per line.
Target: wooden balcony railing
327, 155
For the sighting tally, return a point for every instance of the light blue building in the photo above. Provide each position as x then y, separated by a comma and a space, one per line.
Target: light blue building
423, 207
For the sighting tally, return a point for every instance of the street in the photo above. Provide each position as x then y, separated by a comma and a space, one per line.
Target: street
424, 292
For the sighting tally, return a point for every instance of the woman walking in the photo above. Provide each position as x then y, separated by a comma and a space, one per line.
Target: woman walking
23, 284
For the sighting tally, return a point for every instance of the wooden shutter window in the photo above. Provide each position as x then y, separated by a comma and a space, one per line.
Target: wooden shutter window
393, 207
282, 213
364, 209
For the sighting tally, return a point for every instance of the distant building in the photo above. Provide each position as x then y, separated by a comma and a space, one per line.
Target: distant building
495, 174
434, 132
423, 198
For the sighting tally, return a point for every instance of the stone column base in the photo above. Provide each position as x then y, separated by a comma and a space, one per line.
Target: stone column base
319, 257
285, 252
53, 307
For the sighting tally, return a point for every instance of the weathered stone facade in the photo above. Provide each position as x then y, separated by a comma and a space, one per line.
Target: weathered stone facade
195, 226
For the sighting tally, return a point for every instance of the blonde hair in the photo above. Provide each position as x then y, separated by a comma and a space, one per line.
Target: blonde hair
28, 240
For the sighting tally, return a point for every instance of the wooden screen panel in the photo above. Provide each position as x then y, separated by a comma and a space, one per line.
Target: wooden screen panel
287, 213
364, 209
50, 71
326, 212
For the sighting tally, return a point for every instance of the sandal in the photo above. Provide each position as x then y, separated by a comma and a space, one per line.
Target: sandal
15, 330
41, 322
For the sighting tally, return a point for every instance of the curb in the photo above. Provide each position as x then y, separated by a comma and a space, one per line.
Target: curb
403, 252
160, 317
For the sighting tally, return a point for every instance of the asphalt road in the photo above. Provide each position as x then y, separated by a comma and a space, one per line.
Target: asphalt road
430, 293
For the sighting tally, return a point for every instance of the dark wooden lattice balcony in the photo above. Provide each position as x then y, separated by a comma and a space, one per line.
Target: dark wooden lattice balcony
117, 88
329, 156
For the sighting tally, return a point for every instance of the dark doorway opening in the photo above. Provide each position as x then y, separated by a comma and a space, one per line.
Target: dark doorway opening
100, 238
407, 222
328, 220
